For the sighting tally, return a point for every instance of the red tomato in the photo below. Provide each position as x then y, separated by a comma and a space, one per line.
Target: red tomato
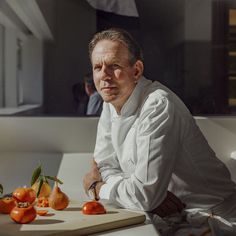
24, 195
42, 212
93, 208
23, 215
7, 204
42, 202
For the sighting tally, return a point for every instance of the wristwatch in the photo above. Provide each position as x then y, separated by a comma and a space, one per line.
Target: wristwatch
92, 191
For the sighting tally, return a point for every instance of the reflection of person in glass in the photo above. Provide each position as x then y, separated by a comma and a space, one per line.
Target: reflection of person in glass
149, 154
80, 99
94, 106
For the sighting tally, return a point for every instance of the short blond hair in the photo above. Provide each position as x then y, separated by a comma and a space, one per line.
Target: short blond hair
120, 35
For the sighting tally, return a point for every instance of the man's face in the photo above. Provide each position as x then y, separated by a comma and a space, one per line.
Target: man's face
114, 77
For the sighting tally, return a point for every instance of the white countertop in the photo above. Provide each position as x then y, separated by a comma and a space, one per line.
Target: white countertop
72, 221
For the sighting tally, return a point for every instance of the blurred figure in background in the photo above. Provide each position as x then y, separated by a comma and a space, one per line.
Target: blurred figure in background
94, 106
80, 99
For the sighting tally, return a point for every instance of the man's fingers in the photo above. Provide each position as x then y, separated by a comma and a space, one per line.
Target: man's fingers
95, 174
94, 162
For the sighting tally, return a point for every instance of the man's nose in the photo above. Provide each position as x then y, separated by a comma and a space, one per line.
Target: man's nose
106, 73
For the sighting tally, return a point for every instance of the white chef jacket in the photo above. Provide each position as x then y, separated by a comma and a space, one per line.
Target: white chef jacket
154, 145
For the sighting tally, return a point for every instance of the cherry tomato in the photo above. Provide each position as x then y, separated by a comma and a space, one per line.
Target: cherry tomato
7, 204
43, 202
42, 212
93, 208
24, 195
23, 214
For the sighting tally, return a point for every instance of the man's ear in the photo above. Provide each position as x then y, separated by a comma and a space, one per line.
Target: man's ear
138, 69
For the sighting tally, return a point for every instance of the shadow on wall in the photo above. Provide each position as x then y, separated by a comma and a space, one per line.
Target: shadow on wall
16, 168
220, 133
231, 164
72, 169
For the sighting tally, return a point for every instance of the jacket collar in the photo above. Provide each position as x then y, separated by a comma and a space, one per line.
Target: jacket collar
132, 104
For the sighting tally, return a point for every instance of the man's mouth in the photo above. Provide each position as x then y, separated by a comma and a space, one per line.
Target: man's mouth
108, 88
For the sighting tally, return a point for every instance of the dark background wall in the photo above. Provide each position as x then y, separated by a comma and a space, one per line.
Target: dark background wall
184, 44
66, 58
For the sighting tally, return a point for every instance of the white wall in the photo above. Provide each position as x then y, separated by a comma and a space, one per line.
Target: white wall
220, 133
31, 73
32, 70
1, 65
72, 135
10, 68
48, 134
64, 147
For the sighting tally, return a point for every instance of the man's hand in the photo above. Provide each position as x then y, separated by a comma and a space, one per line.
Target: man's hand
92, 176
169, 206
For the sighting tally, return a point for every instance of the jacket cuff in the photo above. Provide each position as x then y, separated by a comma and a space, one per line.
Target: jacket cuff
106, 189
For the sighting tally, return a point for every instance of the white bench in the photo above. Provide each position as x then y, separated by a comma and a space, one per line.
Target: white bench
64, 147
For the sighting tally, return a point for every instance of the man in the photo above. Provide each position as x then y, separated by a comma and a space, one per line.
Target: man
149, 154
94, 106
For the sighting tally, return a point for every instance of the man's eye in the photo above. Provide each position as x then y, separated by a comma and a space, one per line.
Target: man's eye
115, 66
97, 68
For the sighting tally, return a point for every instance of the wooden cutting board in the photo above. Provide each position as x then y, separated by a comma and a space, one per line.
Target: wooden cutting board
71, 221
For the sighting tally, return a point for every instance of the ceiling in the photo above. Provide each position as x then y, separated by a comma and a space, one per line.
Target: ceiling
26, 17
161, 14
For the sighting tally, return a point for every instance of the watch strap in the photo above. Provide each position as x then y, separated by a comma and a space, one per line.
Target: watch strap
92, 190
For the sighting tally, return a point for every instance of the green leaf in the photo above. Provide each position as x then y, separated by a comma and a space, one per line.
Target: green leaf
54, 179
1, 189
40, 186
36, 174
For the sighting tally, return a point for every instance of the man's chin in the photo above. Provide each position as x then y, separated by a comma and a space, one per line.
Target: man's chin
109, 99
